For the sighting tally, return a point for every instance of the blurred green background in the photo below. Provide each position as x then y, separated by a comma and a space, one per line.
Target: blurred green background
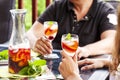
28, 5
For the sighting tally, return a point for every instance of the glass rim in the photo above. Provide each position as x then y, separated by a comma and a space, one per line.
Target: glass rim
70, 33
18, 10
50, 21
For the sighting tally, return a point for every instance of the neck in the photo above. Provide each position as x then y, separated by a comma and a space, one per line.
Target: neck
81, 7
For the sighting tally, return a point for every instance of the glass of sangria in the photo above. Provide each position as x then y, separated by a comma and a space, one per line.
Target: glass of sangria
50, 31
69, 43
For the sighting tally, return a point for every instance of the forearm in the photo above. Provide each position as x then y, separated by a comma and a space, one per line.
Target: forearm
35, 32
74, 77
101, 47
32, 38
107, 63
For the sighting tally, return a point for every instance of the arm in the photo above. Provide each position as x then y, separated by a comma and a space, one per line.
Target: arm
68, 67
106, 29
36, 34
37, 42
104, 46
74, 77
94, 63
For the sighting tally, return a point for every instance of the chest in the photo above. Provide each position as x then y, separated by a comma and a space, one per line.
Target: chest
69, 24
86, 29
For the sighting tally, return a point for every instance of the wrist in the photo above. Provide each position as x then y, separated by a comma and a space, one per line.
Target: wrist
74, 76
87, 51
107, 63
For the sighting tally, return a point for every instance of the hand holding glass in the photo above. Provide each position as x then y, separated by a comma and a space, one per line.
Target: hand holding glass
70, 45
50, 31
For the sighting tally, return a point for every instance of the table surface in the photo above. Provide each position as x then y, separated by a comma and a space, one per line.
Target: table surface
95, 74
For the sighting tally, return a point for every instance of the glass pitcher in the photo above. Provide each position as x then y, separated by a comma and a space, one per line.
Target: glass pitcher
19, 48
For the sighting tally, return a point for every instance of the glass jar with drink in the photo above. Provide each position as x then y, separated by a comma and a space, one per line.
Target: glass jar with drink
19, 48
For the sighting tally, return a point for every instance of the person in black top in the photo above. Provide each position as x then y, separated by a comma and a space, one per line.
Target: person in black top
92, 20
69, 65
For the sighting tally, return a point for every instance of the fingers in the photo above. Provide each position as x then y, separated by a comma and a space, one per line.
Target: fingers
36, 49
85, 61
83, 52
64, 54
47, 42
75, 57
61, 69
43, 46
79, 53
86, 64
46, 46
87, 67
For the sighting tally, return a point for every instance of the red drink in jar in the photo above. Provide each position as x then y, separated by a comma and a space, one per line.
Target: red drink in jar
18, 59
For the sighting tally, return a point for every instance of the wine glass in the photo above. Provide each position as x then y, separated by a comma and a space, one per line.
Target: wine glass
50, 31
69, 43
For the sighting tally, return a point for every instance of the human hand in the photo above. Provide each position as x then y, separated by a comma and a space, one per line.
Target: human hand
69, 67
92, 63
43, 46
82, 52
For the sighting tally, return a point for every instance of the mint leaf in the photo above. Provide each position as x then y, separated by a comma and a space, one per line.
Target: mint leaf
39, 62
24, 71
4, 55
68, 37
50, 22
34, 68
31, 70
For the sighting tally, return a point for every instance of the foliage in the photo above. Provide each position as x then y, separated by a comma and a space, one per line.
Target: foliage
68, 37
28, 6
4, 55
34, 68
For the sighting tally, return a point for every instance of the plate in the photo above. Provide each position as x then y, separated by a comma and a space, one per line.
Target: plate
3, 62
51, 56
46, 75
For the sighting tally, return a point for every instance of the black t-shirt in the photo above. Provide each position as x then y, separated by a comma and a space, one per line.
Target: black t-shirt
88, 29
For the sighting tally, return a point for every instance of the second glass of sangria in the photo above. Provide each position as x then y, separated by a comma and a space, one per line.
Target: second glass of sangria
70, 43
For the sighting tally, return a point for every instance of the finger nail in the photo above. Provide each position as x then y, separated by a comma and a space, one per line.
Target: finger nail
83, 68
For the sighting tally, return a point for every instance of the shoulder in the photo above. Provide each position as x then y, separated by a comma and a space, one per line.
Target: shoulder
57, 5
59, 2
104, 6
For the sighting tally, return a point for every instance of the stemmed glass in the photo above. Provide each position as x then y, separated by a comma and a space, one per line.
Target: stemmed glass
50, 31
69, 43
